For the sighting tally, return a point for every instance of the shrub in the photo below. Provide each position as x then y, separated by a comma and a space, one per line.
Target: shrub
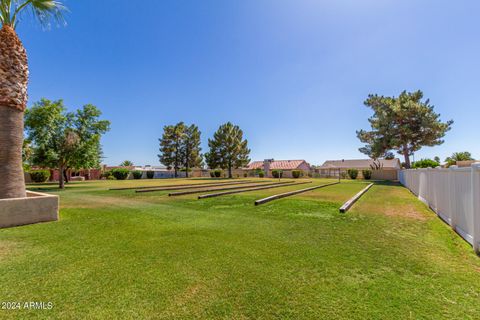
137, 174
212, 174
39, 175
296, 174
120, 173
245, 174
217, 173
150, 174
352, 173
367, 174
425, 163
261, 174
343, 175
277, 173
106, 174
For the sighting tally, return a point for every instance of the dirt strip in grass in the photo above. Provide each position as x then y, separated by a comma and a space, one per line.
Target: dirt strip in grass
288, 183
182, 185
291, 193
199, 186
212, 195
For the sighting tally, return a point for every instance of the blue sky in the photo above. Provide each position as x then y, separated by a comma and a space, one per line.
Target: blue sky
292, 74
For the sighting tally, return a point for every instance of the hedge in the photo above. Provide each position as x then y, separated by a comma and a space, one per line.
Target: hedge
277, 173
137, 174
39, 175
367, 174
120, 173
352, 173
296, 174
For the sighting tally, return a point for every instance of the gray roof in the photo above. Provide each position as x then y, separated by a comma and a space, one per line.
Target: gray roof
360, 164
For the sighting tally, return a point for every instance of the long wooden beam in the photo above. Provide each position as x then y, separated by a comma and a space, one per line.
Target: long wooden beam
195, 186
211, 195
347, 205
291, 193
222, 189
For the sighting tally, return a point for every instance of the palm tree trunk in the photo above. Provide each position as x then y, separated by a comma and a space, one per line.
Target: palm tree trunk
13, 101
11, 141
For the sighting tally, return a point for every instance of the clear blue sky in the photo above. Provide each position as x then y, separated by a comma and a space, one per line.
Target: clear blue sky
293, 73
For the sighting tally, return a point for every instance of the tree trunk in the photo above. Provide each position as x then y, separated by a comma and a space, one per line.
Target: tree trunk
187, 156
13, 101
61, 181
175, 170
406, 154
230, 170
12, 183
65, 175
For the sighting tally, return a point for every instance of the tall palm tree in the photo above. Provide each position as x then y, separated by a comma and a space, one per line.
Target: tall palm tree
13, 87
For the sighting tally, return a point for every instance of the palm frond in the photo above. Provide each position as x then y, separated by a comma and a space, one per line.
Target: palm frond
44, 11
5, 9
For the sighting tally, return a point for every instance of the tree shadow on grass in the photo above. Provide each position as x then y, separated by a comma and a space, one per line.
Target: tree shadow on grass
386, 183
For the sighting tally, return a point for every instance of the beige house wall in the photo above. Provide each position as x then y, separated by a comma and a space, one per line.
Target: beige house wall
466, 163
382, 174
385, 174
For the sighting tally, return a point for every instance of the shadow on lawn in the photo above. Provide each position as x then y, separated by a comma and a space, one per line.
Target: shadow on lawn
387, 183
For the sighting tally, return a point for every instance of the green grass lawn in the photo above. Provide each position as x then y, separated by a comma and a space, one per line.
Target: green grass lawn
117, 254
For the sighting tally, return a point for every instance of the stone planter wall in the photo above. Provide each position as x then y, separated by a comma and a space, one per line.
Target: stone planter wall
36, 207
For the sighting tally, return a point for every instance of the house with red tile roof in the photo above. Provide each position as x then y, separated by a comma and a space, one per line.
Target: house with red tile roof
286, 166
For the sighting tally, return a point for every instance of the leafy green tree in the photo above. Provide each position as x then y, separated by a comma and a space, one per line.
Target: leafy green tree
228, 149
458, 156
437, 159
404, 124
172, 153
62, 139
88, 153
191, 148
126, 163
425, 163
27, 153
14, 74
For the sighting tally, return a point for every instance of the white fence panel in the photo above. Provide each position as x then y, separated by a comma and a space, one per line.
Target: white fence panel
454, 194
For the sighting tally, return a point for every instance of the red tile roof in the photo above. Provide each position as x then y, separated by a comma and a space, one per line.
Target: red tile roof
278, 164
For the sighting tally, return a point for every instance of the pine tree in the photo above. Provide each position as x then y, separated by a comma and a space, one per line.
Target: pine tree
172, 153
191, 148
404, 123
228, 150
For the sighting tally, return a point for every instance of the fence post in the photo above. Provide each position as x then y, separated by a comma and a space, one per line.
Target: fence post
476, 206
452, 197
428, 196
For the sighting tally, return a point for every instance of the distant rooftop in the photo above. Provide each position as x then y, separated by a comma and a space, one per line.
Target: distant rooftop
278, 164
360, 163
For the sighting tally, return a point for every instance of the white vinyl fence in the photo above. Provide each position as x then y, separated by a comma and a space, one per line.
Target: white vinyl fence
453, 193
